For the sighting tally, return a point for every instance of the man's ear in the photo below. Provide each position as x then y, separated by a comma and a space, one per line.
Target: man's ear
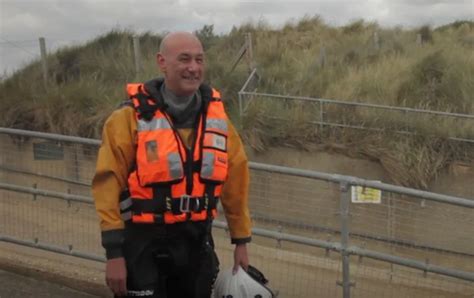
160, 60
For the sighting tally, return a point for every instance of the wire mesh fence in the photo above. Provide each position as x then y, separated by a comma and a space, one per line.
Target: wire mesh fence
323, 115
297, 224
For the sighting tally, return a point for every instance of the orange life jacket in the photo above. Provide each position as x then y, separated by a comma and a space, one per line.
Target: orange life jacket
171, 183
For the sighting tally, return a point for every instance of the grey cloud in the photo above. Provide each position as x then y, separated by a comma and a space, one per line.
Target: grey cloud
434, 2
66, 21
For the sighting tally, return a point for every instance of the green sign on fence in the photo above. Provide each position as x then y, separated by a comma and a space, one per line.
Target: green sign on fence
48, 151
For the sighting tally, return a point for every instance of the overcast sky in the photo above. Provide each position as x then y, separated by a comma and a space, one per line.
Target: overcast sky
65, 22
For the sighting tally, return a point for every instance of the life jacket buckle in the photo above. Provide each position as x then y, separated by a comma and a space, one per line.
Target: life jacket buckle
184, 203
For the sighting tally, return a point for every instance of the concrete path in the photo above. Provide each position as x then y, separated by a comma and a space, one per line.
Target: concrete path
14, 285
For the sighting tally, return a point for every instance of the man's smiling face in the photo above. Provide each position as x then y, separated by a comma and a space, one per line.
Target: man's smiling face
181, 59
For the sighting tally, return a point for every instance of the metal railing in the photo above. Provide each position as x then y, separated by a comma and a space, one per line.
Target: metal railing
413, 242
331, 113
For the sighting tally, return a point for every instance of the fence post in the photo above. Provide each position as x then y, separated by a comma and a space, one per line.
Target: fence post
35, 185
322, 57
321, 117
241, 108
419, 40
376, 41
248, 38
136, 53
44, 64
345, 229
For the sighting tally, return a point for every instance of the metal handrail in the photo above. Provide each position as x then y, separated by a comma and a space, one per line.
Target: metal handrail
336, 178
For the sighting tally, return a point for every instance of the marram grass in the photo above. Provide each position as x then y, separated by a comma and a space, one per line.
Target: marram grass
359, 62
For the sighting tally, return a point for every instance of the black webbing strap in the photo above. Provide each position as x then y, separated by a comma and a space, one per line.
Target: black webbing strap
161, 194
150, 206
156, 206
211, 199
145, 109
162, 202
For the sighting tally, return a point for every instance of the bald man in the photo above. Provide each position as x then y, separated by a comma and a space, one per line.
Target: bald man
167, 157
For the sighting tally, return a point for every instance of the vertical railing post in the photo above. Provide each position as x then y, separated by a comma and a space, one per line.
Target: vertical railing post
345, 229
35, 185
321, 118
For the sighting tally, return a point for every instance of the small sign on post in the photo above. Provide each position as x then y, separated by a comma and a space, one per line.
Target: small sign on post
362, 194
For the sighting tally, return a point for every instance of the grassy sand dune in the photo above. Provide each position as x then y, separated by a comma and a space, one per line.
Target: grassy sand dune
360, 62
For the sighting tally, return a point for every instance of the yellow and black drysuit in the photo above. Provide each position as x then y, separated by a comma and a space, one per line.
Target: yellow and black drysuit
156, 187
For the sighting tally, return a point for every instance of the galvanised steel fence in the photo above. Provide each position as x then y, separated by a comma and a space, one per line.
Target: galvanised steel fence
311, 238
326, 114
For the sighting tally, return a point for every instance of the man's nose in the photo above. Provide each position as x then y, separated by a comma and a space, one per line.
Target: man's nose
193, 65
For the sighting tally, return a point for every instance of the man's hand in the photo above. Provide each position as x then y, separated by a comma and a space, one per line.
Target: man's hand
241, 257
116, 276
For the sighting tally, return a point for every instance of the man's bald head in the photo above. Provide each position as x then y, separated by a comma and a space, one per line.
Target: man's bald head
171, 40
181, 59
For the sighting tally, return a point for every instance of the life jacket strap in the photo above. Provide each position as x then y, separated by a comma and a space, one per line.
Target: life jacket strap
211, 199
177, 206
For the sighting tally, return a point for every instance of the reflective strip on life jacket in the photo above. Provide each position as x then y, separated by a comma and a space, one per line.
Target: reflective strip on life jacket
214, 152
217, 125
154, 124
126, 215
175, 166
214, 165
125, 204
214, 140
207, 165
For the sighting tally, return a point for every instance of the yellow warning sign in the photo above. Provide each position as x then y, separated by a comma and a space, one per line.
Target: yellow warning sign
361, 194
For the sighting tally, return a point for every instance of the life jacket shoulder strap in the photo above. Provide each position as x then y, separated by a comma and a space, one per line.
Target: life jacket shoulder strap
209, 94
145, 105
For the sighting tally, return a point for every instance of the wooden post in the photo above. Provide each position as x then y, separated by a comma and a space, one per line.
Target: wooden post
419, 40
136, 52
248, 40
44, 63
322, 57
376, 41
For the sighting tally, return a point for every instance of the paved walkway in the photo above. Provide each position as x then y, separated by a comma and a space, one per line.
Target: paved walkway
14, 285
